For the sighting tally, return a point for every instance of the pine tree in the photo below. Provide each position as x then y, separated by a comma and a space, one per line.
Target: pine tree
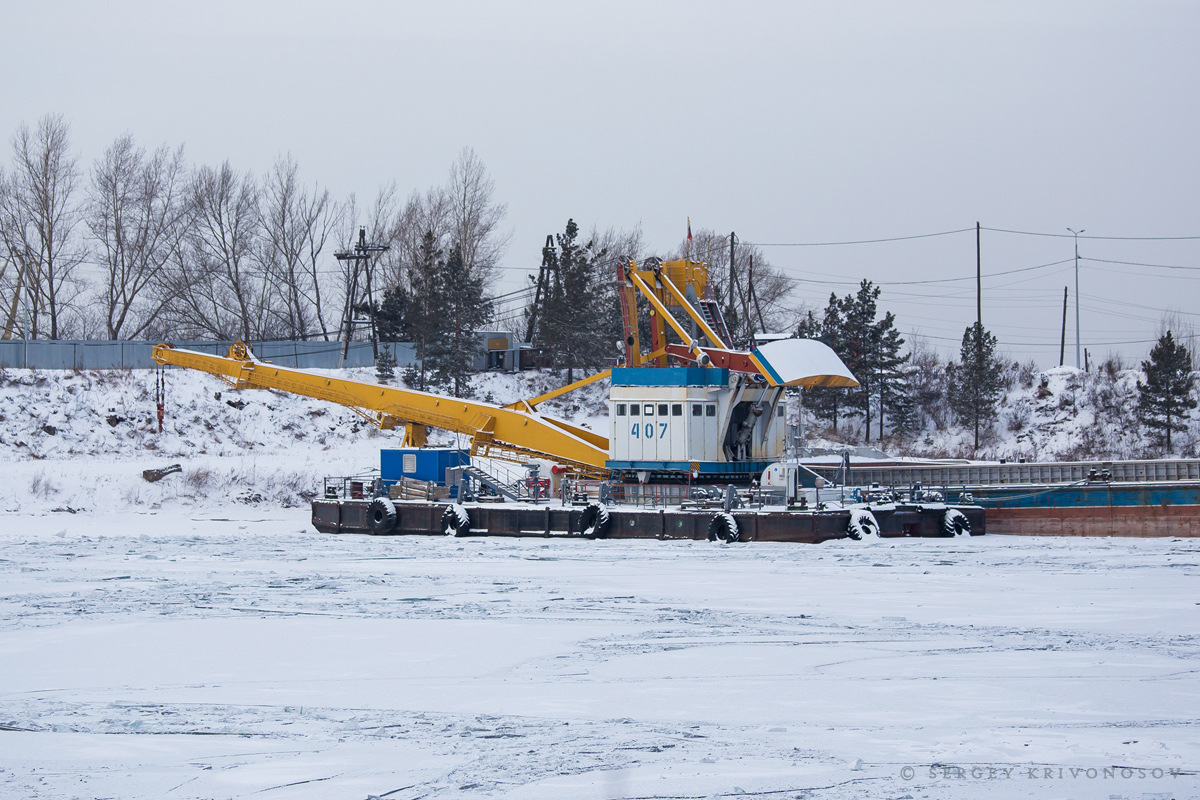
861, 350
423, 317
385, 365
899, 398
574, 320
463, 311
1166, 396
977, 381
391, 315
826, 402
891, 377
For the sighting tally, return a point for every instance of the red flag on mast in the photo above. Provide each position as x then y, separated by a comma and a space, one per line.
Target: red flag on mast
689, 229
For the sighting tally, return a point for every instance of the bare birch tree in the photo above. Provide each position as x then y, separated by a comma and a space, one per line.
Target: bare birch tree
137, 214
38, 224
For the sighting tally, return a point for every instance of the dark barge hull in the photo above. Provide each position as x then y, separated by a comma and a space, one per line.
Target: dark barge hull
1150, 509
1138, 521
425, 518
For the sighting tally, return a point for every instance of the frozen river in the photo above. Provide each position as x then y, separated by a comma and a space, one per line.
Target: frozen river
178, 655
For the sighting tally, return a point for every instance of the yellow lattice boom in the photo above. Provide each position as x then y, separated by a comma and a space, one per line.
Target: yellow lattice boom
516, 433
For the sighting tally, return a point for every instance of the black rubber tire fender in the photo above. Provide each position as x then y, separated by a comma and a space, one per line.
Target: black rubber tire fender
723, 527
452, 525
381, 516
955, 523
595, 521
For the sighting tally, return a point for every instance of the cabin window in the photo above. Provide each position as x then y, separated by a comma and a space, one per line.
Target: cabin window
697, 410
710, 410
620, 409
662, 409
648, 411
677, 410
779, 410
634, 409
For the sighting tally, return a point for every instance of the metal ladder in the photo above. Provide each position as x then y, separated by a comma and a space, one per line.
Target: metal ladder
716, 321
512, 487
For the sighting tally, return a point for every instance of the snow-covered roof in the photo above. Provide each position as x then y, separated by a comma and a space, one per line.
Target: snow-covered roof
802, 362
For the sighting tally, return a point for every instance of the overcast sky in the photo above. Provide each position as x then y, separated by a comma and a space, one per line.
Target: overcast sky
784, 122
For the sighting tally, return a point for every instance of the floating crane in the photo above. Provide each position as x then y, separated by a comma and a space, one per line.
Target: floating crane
733, 427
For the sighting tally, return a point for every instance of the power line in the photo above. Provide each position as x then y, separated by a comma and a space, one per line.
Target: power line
933, 280
1138, 263
1099, 299
1034, 344
1106, 238
859, 241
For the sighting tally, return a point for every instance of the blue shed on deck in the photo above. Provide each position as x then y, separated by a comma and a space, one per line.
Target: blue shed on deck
421, 463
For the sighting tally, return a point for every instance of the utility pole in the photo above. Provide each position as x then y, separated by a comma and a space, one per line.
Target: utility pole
549, 262
746, 302
1078, 357
1062, 345
978, 280
732, 239
359, 259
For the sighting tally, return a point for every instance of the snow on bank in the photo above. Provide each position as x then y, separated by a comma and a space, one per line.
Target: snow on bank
80, 440
1061, 414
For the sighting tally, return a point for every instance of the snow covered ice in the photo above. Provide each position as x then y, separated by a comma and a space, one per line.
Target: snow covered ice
196, 638
180, 655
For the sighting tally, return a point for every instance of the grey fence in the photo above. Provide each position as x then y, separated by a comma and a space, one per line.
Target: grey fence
101, 354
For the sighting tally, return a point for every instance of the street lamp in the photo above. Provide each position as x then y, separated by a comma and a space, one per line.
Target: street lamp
1078, 358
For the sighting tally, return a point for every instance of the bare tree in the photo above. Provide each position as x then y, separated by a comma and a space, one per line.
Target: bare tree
219, 286
321, 216
768, 309
475, 216
12, 283
38, 221
422, 212
137, 214
296, 225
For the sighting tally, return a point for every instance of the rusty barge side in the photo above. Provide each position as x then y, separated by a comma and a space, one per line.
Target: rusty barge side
488, 519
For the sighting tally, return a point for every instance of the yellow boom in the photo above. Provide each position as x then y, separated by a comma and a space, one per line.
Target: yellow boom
516, 434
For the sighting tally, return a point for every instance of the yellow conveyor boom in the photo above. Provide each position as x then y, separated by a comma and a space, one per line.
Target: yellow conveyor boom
515, 434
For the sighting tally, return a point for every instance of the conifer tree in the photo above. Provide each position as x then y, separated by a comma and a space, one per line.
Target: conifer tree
891, 378
462, 312
869, 347
573, 321
861, 353
826, 402
391, 315
1166, 396
900, 400
424, 314
976, 381
385, 365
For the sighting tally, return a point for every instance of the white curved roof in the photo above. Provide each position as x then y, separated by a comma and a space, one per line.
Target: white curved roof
802, 362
